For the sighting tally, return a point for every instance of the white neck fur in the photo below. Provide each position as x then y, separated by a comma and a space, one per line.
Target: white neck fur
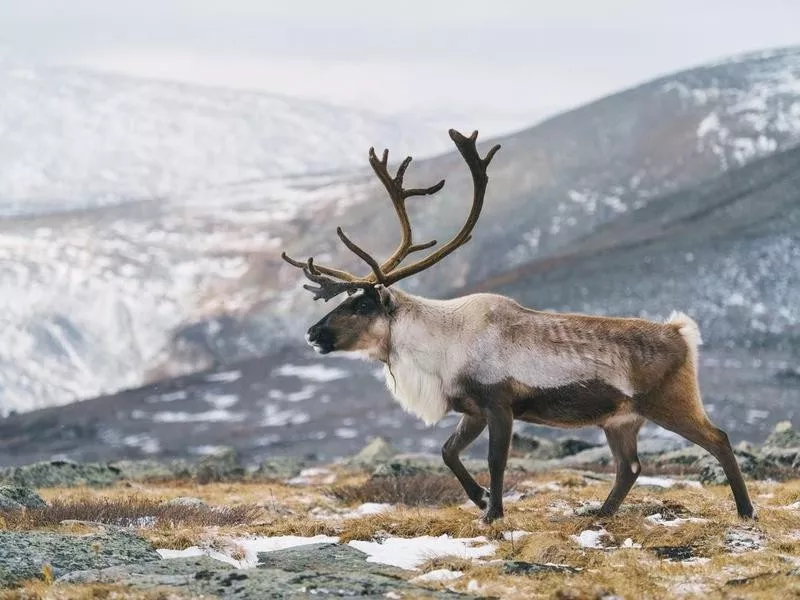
421, 360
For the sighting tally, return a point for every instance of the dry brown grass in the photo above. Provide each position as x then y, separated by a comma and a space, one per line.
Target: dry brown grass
416, 490
133, 511
427, 489
453, 563
39, 590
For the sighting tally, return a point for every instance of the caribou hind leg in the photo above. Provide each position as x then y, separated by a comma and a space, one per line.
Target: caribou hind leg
678, 407
621, 433
469, 428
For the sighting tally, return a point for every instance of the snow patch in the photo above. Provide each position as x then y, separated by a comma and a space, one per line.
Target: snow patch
144, 441
659, 519
368, 508
224, 377
167, 416
305, 393
665, 482
221, 401
437, 575
317, 373
346, 433
275, 417
170, 397
515, 536
207, 450
410, 553
250, 546
593, 538
742, 540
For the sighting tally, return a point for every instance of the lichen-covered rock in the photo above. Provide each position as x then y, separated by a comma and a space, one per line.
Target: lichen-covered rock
152, 470
203, 575
321, 557
24, 554
782, 447
408, 466
15, 497
60, 473
280, 467
545, 449
573, 446
223, 466
593, 456
756, 467
170, 572
674, 553
530, 445
688, 456
521, 567
377, 451
783, 436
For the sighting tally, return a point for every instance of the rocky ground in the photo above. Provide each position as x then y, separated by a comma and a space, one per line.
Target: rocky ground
386, 525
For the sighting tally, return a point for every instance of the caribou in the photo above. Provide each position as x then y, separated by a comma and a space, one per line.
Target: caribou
494, 361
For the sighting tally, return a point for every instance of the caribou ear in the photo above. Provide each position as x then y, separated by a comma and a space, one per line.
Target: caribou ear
386, 298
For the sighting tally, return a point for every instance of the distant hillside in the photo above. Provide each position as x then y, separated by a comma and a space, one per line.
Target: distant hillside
71, 138
109, 298
727, 251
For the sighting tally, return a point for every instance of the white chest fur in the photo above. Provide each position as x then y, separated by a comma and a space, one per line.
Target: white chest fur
419, 392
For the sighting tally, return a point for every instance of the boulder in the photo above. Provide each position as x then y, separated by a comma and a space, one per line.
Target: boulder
222, 466
782, 446
685, 457
406, 466
280, 467
783, 436
14, 497
674, 553
305, 572
529, 445
377, 451
544, 449
756, 467
24, 554
176, 572
152, 470
521, 567
60, 473
321, 557
573, 446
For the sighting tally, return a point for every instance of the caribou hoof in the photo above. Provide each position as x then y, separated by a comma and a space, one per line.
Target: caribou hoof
491, 514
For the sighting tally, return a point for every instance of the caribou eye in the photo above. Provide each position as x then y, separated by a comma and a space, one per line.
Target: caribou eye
362, 306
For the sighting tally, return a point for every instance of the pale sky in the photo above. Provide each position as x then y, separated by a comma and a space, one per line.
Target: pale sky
517, 58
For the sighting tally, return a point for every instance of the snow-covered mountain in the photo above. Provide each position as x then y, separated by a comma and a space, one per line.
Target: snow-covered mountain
126, 203
167, 282
71, 139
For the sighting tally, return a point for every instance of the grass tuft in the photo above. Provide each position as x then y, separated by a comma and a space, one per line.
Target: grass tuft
426, 489
133, 511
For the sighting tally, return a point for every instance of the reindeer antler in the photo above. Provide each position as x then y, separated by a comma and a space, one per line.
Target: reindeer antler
332, 282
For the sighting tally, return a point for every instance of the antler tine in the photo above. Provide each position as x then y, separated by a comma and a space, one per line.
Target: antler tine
477, 166
398, 194
363, 255
326, 287
338, 273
